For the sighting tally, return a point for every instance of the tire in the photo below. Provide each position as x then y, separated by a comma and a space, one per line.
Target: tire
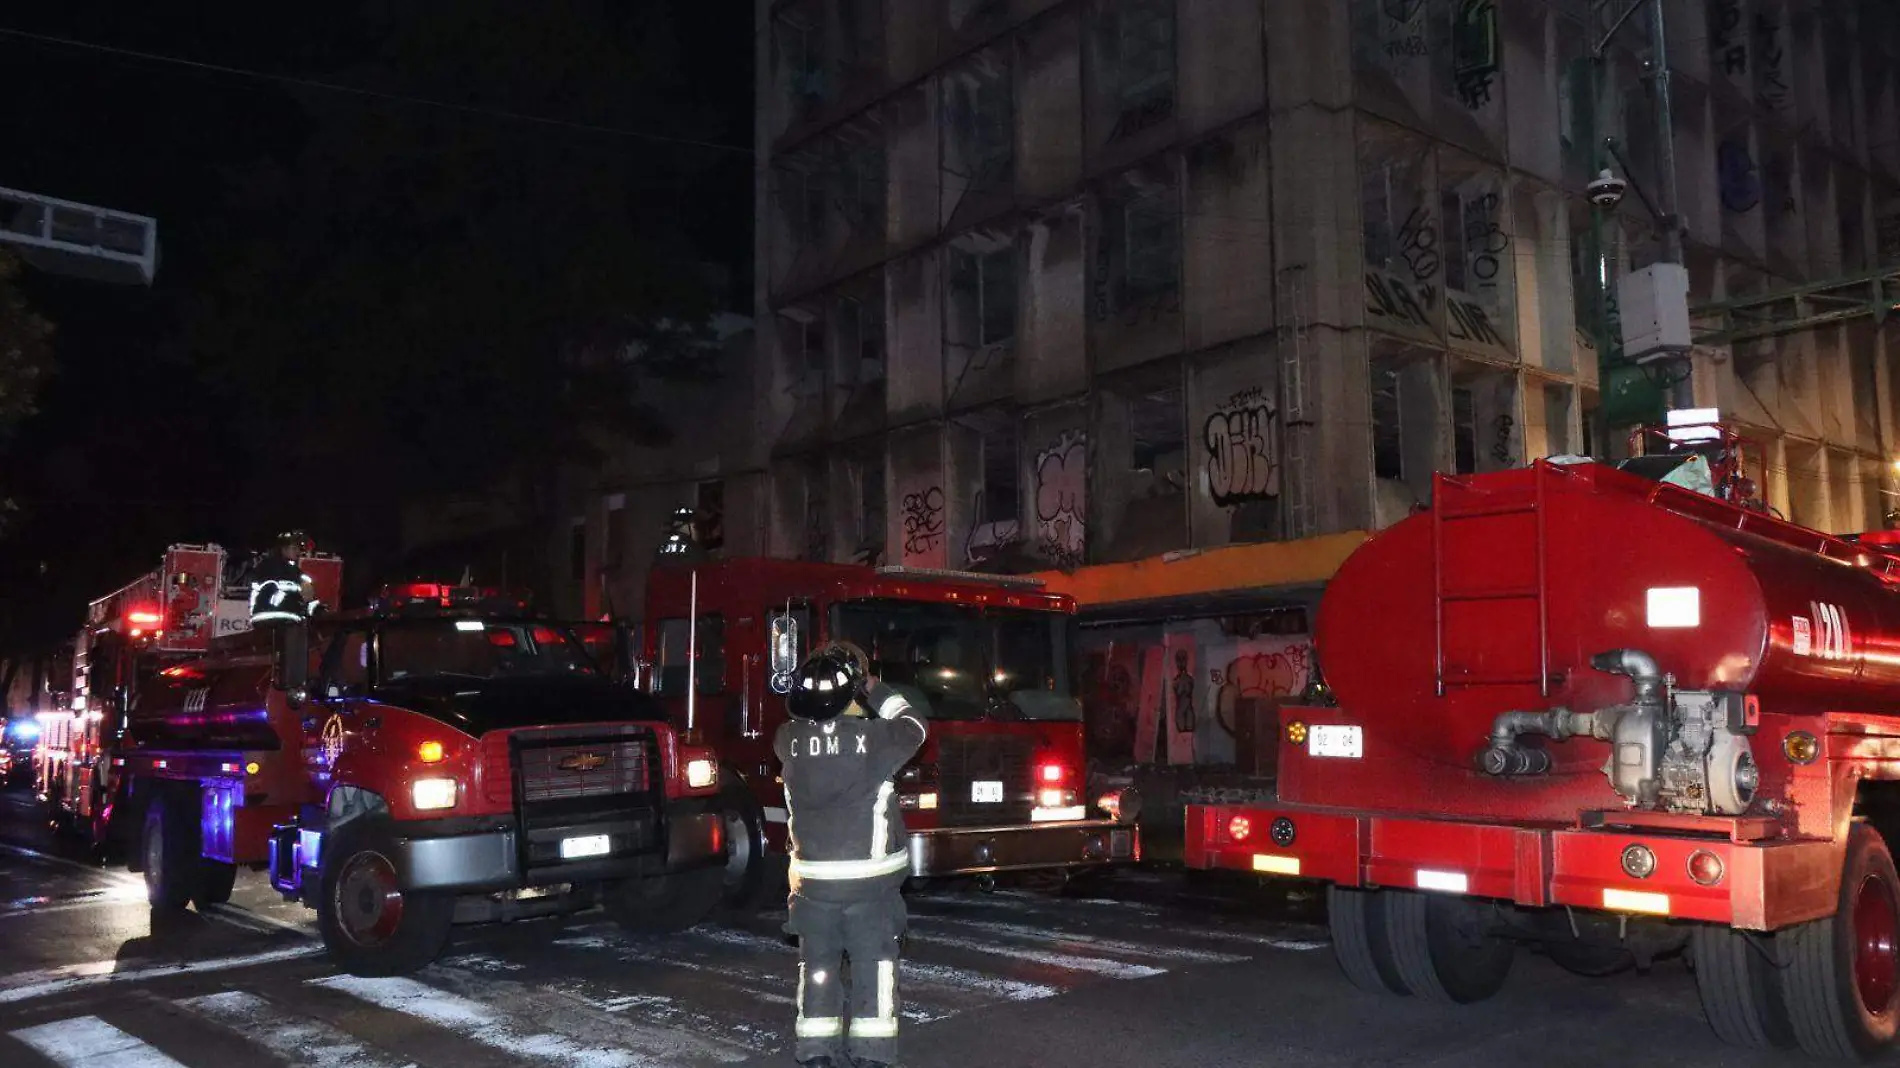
1359, 942
215, 882
370, 925
665, 904
743, 878
1590, 961
1441, 948
1736, 980
168, 847
1838, 976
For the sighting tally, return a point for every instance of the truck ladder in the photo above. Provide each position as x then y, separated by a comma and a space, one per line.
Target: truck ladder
1459, 512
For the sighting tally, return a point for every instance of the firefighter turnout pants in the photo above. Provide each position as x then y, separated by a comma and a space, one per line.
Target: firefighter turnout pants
861, 934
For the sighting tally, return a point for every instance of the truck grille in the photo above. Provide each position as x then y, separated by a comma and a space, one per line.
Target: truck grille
963, 762
600, 762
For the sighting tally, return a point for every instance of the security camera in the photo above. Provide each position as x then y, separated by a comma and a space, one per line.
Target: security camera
1606, 190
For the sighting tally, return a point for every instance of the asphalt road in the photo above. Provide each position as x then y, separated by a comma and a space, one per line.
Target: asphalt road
1157, 970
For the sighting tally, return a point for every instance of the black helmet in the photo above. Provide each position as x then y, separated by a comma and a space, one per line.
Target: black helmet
825, 685
297, 538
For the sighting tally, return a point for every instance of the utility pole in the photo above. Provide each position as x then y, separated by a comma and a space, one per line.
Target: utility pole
1682, 388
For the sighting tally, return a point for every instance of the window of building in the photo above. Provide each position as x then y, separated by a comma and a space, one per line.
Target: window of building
983, 295
615, 542
802, 198
861, 338
577, 551
979, 120
1140, 246
1464, 432
1556, 420
862, 185
1388, 424
798, 37
1002, 472
710, 500
1137, 48
1139, 479
871, 505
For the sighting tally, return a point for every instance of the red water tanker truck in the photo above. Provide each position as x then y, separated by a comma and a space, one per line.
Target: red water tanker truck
1614, 717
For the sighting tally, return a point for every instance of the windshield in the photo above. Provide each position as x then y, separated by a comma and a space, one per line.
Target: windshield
478, 648
957, 662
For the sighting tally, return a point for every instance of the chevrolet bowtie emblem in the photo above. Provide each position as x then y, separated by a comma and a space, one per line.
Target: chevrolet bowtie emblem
583, 762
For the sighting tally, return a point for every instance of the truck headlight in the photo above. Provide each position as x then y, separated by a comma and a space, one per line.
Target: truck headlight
432, 793
701, 774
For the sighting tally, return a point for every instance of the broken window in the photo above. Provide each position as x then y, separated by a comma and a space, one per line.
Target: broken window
1556, 420
859, 320
978, 106
1001, 446
1464, 432
983, 289
1135, 43
1140, 246
1141, 482
1388, 424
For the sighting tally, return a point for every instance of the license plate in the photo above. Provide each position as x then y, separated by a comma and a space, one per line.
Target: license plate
587, 845
986, 792
1336, 741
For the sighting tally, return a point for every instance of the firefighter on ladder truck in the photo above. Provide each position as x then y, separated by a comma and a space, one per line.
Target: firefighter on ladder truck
849, 855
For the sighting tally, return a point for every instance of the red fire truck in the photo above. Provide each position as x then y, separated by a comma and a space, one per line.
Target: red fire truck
442, 756
999, 786
169, 614
1584, 707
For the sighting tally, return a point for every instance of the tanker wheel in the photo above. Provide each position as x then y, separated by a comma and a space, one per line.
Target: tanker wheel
216, 879
168, 846
1735, 975
743, 883
370, 924
1442, 947
1357, 921
1841, 975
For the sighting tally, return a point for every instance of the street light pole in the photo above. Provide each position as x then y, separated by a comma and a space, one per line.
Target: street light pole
1682, 388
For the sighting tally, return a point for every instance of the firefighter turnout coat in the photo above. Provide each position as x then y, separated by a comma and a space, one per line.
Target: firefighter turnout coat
277, 592
840, 793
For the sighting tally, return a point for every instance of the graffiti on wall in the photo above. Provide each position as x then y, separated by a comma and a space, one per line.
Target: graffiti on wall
1726, 37
1504, 441
1467, 321
1737, 174
987, 541
1243, 462
1475, 51
1061, 490
1772, 74
1259, 673
923, 521
1486, 243
1418, 245
1404, 29
1392, 298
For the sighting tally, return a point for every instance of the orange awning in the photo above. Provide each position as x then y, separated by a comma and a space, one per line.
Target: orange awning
1231, 568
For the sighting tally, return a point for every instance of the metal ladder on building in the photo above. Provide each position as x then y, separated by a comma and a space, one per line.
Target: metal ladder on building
1460, 511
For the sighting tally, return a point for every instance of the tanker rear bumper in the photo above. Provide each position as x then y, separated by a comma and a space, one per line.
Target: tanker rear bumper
1763, 886
1062, 845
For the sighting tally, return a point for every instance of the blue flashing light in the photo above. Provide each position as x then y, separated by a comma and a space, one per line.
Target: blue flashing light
24, 730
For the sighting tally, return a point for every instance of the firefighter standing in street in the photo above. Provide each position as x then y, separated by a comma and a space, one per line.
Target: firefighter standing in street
849, 737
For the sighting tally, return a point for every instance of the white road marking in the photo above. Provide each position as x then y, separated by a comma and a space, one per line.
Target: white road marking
964, 979
298, 1040
89, 1042
24, 986
72, 865
116, 894
255, 921
1114, 969
1106, 945
477, 1022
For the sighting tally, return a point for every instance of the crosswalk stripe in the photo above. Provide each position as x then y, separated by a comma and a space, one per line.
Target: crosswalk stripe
477, 1022
938, 974
89, 1042
1106, 945
1114, 969
298, 1040
24, 986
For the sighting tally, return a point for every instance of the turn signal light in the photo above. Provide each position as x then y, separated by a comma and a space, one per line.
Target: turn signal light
1296, 732
1801, 747
429, 752
1239, 828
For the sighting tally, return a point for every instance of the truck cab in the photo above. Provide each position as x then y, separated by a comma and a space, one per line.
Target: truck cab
1000, 784
443, 756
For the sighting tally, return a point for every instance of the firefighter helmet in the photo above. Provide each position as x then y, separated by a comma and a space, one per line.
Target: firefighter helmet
825, 685
297, 538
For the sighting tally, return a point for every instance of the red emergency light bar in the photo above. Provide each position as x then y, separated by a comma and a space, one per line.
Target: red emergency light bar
426, 597
143, 617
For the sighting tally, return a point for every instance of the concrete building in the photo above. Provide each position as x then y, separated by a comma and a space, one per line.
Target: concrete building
1056, 283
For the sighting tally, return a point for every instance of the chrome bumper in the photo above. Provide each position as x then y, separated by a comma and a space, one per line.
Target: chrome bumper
1023, 847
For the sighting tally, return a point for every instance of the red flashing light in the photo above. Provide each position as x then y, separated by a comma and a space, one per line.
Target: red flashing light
1239, 828
144, 616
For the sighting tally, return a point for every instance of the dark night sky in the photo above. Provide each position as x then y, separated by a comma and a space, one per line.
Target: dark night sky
137, 443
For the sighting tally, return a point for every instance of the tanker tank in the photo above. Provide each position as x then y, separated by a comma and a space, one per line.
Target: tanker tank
1492, 648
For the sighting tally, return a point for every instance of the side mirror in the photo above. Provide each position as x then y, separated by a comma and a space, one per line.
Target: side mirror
784, 652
